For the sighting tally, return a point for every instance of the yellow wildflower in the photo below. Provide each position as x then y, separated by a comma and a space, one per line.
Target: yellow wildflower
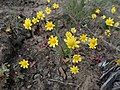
77, 58
117, 61
74, 69
49, 25
68, 34
48, 10
55, 5
73, 30
83, 38
35, 20
97, 11
24, 63
72, 42
53, 41
48, 1
109, 22
93, 43
107, 33
116, 24
113, 9
40, 15
94, 16
103, 17
27, 24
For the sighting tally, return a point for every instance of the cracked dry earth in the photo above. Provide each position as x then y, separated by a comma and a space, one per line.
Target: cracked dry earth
47, 71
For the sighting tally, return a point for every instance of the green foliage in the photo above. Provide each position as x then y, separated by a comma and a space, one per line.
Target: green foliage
80, 10
75, 8
3, 69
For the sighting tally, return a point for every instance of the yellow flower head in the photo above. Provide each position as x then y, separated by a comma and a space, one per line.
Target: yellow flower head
93, 43
83, 38
72, 42
117, 61
53, 41
107, 33
74, 69
109, 22
27, 24
97, 11
40, 15
48, 10
116, 24
94, 16
113, 9
24, 63
55, 5
49, 25
103, 17
77, 58
68, 34
48, 1
73, 30
35, 20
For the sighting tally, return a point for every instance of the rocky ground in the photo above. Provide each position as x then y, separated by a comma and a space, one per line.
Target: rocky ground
47, 71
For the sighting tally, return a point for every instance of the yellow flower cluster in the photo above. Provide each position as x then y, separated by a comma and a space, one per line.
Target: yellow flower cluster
74, 69
73, 42
94, 15
108, 21
70, 40
49, 26
40, 15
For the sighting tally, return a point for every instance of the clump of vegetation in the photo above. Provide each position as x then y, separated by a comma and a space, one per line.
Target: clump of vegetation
70, 42
77, 31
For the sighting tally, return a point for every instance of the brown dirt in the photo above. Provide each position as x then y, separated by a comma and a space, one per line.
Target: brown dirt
44, 72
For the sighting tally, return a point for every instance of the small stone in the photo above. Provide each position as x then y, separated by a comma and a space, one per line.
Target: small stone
36, 76
29, 86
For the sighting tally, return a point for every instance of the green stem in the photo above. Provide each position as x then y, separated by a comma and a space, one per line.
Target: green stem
60, 46
70, 56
